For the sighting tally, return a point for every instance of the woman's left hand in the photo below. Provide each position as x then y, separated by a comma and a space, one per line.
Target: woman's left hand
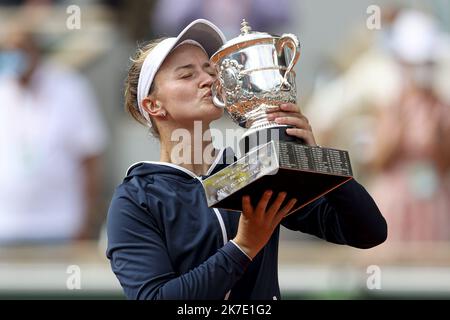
290, 114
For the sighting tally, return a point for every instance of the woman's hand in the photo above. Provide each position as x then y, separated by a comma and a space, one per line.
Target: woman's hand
256, 225
290, 114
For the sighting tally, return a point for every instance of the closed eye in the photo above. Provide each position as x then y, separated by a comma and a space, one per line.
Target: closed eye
211, 71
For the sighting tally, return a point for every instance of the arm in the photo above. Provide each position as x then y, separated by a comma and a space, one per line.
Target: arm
388, 138
91, 218
140, 260
346, 215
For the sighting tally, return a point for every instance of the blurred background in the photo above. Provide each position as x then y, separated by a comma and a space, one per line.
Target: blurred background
373, 79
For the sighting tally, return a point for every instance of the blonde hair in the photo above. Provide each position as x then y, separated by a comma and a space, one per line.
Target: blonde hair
131, 84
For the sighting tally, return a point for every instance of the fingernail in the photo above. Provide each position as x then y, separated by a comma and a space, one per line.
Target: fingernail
269, 192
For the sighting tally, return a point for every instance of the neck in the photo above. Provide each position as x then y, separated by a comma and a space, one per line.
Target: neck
191, 149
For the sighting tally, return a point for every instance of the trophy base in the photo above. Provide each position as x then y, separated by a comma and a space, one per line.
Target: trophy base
304, 172
254, 138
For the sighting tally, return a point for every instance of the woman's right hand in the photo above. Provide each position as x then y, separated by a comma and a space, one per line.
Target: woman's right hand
256, 225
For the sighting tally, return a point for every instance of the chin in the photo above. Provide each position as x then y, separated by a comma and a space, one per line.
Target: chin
218, 114
213, 111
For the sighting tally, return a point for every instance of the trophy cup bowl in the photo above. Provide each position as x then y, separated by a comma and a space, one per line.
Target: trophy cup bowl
254, 77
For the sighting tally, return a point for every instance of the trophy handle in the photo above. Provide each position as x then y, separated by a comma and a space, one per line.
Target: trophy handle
214, 92
292, 42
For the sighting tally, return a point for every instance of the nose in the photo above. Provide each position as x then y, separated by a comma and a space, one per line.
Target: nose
207, 80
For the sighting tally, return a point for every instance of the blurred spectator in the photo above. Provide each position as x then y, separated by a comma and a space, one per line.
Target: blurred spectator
51, 137
411, 153
344, 108
387, 110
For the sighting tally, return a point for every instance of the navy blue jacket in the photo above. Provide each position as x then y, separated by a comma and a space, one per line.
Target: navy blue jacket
165, 243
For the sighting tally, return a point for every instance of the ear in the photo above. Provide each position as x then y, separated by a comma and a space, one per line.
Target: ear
153, 107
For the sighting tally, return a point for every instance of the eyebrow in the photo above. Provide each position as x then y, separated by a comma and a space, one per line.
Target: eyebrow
191, 66
187, 66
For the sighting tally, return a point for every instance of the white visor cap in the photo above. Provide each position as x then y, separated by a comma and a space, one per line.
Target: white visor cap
200, 31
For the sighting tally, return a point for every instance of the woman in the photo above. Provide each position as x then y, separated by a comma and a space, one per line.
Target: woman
163, 240
412, 162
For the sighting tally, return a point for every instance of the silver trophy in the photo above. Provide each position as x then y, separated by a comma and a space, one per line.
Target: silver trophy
255, 76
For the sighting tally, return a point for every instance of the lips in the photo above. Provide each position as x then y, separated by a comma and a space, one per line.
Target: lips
207, 95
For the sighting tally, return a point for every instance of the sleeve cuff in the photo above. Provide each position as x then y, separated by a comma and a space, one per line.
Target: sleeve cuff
232, 241
236, 254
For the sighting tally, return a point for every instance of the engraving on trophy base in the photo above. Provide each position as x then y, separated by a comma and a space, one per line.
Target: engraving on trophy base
304, 172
